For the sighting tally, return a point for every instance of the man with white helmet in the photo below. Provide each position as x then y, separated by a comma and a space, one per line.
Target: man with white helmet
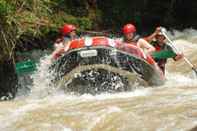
157, 39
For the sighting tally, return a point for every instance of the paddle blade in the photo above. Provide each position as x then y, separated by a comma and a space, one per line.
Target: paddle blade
25, 67
163, 30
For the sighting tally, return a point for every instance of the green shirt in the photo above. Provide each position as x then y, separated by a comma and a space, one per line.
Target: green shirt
165, 51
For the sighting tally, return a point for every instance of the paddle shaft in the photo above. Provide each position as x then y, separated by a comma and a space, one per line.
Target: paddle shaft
176, 50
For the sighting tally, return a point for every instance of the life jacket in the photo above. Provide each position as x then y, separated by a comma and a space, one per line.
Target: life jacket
66, 39
161, 62
136, 38
159, 47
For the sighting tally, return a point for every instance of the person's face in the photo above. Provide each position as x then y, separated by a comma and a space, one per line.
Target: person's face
160, 39
73, 34
129, 36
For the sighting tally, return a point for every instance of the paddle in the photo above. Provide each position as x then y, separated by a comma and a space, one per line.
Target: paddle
24, 67
163, 31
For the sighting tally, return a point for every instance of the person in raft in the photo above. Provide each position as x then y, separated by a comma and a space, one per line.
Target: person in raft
68, 33
157, 39
130, 37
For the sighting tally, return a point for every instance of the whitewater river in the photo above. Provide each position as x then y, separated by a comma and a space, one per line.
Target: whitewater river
171, 107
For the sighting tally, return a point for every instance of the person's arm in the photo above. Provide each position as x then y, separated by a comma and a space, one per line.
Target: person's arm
67, 46
144, 44
178, 55
57, 53
152, 36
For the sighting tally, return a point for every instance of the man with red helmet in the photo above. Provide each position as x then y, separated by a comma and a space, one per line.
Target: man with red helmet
68, 32
130, 37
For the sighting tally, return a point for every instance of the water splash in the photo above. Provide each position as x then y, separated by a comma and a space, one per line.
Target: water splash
177, 80
42, 85
42, 77
170, 107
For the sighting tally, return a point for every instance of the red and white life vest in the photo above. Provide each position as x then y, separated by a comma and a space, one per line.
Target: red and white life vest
107, 42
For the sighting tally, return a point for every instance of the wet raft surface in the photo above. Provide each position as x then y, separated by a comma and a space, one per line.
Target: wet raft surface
110, 70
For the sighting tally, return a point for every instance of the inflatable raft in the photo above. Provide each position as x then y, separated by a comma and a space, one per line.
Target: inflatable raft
101, 64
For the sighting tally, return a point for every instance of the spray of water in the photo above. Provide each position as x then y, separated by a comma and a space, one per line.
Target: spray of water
170, 107
42, 85
184, 41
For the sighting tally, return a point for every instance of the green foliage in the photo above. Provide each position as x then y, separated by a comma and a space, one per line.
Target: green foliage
82, 22
38, 18
116, 13
5, 8
6, 43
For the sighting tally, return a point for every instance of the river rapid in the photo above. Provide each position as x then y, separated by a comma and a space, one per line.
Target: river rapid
171, 107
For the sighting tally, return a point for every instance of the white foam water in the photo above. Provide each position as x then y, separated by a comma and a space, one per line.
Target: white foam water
168, 107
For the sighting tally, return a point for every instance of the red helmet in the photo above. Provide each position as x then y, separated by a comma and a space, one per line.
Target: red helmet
67, 28
128, 28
